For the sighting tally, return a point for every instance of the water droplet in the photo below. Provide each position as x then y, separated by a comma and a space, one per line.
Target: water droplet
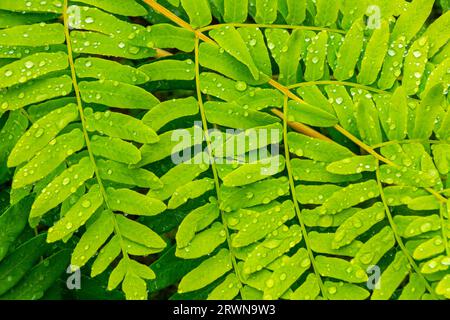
417, 54
425, 227
241, 86
270, 283
332, 290
86, 204
39, 133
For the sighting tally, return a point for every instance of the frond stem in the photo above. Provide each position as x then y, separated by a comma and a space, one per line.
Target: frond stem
398, 237
83, 124
294, 197
213, 164
270, 26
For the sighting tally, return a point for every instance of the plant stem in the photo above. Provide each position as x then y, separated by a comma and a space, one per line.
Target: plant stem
398, 237
294, 198
213, 164
83, 124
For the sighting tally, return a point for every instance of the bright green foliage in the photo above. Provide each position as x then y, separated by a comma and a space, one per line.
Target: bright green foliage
115, 124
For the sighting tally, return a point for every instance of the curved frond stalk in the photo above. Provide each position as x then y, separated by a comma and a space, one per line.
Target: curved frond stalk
399, 239
210, 153
83, 120
294, 197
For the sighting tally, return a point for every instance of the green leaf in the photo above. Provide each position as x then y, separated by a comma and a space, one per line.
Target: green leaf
34, 91
194, 222
282, 278
35, 65
177, 177
415, 63
376, 50
357, 224
169, 144
392, 277
15, 266
414, 289
77, 215
235, 11
316, 149
316, 57
61, 188
227, 290
437, 37
427, 112
410, 22
164, 36
121, 173
117, 94
169, 70
198, 11
276, 244
109, 70
168, 111
256, 223
139, 233
253, 172
115, 149
308, 114
340, 269
131, 202
350, 52
266, 11
296, 11
12, 223
309, 290
345, 291
231, 41
34, 35
106, 256
254, 40
393, 63
49, 158
118, 125
327, 12
368, 121
191, 190
125, 8
234, 116
211, 57
356, 164
309, 170
207, 272
107, 45
375, 248
204, 242
40, 278
289, 61
134, 287
95, 236
33, 6
315, 194
322, 243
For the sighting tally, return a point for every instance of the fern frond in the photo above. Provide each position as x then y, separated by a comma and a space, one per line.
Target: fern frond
95, 108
